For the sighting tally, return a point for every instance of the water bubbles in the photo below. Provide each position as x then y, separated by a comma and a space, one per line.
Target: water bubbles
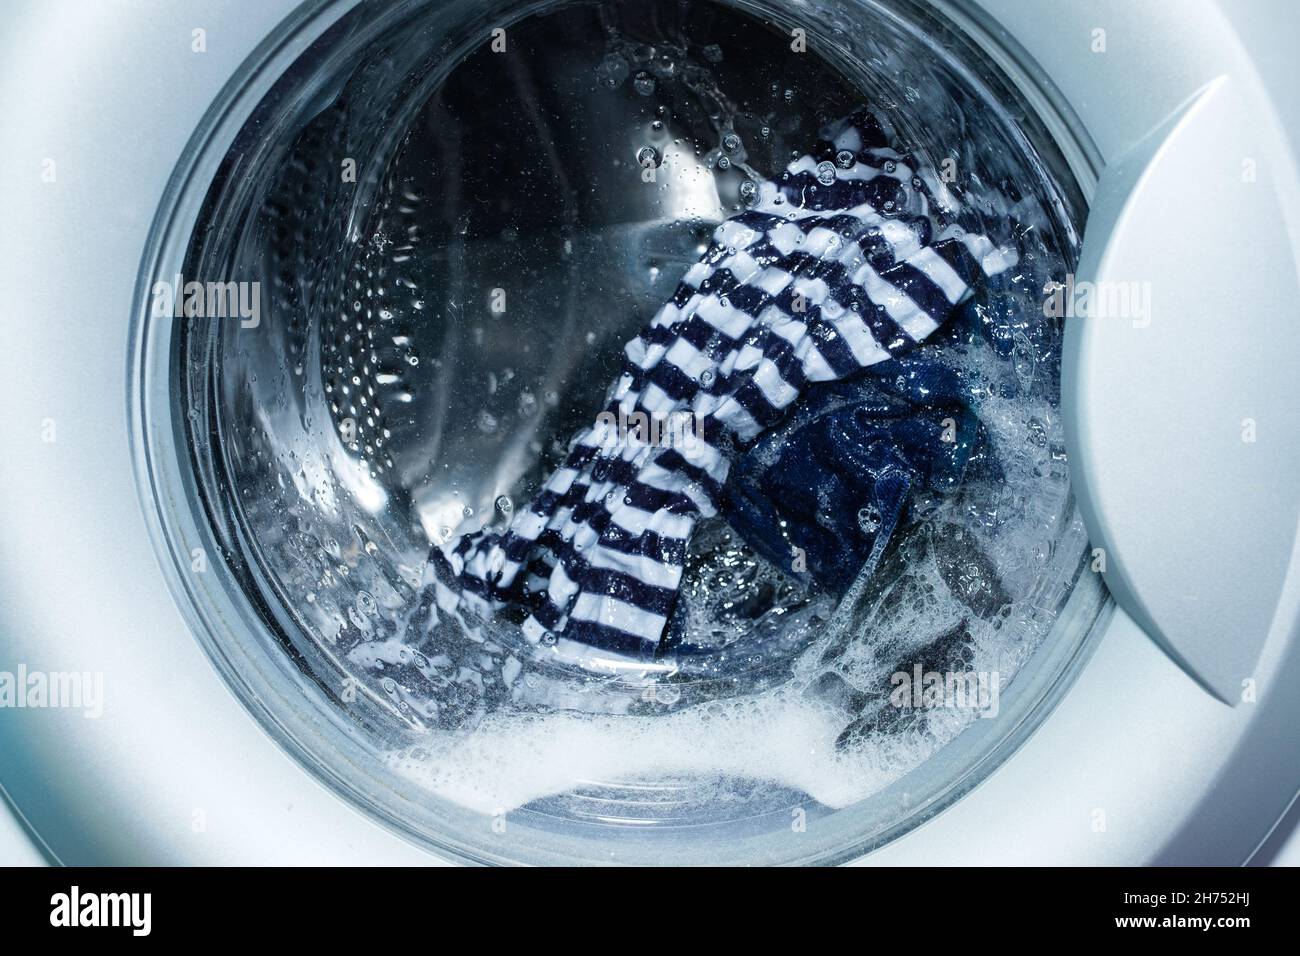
648, 157
890, 166
869, 519
487, 422
844, 159
724, 162
731, 142
748, 191
666, 694
366, 603
706, 377
548, 639
505, 505
612, 71
826, 172
644, 83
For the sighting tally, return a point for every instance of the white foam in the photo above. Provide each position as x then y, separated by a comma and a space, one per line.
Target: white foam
510, 761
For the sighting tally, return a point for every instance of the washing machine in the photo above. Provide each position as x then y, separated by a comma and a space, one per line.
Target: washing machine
431, 225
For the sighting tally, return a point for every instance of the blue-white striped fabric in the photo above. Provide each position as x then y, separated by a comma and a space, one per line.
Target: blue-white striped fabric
852, 258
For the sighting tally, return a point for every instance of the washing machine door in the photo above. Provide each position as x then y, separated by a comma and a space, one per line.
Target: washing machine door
1174, 412
1178, 373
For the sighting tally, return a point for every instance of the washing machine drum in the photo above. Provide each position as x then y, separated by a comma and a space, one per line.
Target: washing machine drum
425, 344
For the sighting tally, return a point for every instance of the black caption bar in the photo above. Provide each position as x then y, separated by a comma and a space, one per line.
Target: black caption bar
345, 906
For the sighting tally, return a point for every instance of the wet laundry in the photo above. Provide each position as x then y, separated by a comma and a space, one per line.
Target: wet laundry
790, 346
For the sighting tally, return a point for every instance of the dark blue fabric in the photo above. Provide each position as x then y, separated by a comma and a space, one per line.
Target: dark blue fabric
838, 478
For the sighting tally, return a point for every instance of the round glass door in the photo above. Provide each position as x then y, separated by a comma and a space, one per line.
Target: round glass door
431, 242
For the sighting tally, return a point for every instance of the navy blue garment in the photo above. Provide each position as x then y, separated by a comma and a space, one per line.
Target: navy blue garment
836, 481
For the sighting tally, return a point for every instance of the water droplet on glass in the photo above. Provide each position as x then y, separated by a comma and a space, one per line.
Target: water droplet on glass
731, 142
644, 83
648, 156
844, 158
666, 694
612, 71
504, 504
826, 172
869, 519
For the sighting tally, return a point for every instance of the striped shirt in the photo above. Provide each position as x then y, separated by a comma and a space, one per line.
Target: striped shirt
850, 259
